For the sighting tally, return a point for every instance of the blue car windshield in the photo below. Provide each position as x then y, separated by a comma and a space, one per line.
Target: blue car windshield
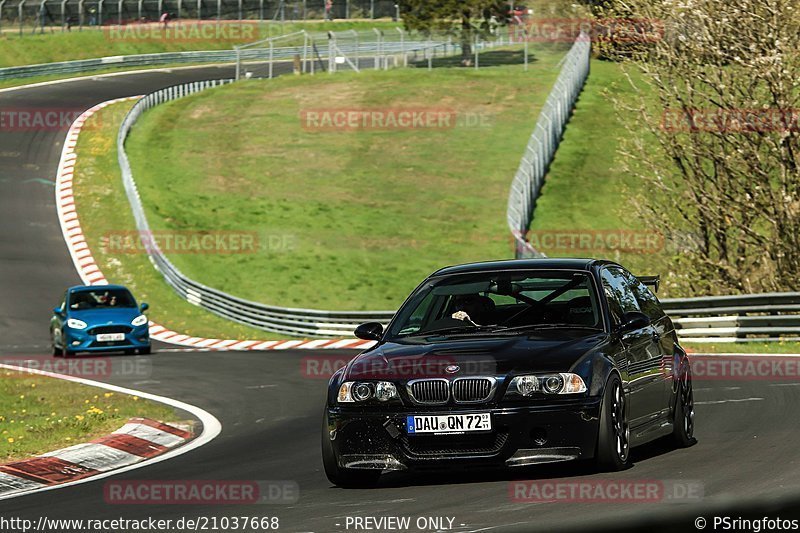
101, 299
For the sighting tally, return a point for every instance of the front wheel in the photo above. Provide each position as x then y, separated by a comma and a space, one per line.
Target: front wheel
343, 477
613, 438
683, 417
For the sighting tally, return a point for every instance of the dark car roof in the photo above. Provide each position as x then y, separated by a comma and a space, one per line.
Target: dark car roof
77, 288
521, 264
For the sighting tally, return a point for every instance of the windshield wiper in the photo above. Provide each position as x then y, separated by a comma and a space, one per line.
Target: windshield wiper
466, 328
553, 325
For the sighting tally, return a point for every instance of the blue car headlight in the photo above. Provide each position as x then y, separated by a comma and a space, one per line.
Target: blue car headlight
140, 320
74, 323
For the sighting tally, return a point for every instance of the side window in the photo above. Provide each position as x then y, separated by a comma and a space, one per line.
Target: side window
621, 298
644, 296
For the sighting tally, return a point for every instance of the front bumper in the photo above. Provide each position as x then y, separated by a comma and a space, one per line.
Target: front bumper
77, 340
520, 436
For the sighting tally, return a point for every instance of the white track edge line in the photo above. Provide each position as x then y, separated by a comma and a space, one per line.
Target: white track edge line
211, 428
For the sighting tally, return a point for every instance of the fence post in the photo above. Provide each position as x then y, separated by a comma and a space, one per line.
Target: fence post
21, 13
477, 54
305, 51
403, 46
271, 56
238, 62
358, 58
331, 51
378, 49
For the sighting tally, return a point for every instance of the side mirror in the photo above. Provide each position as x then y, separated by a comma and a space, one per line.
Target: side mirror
632, 321
144, 307
371, 331
57, 310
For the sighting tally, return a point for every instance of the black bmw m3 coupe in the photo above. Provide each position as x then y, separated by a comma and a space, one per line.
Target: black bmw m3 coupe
509, 364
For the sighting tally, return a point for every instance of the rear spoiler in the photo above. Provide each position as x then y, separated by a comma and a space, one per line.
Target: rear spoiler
650, 281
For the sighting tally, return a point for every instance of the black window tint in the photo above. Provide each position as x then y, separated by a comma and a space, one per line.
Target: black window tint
647, 300
620, 295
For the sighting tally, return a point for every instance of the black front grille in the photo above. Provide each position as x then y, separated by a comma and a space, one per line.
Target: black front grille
110, 329
429, 391
472, 390
431, 447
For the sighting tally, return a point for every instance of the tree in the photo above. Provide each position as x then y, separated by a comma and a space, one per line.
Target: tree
462, 19
721, 151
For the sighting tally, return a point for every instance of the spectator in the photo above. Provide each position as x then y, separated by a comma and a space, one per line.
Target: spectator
328, 9
164, 19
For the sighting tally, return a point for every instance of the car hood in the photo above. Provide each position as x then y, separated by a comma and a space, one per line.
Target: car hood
544, 351
93, 317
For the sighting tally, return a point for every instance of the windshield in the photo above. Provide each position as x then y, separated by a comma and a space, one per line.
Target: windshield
101, 299
500, 301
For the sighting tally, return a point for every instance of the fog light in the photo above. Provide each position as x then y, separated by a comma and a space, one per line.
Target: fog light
385, 391
75, 343
527, 385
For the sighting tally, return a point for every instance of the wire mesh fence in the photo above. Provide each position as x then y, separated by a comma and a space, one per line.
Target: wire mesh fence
39, 16
543, 143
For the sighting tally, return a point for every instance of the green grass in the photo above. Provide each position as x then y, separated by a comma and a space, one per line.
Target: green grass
584, 189
41, 414
92, 43
365, 214
104, 210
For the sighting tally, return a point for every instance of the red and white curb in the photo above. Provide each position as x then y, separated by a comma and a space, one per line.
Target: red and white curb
90, 272
136, 441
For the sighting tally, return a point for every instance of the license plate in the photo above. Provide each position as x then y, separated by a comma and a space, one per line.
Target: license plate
106, 337
448, 424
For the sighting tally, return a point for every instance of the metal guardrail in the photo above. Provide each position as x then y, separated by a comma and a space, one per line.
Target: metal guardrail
743, 318
208, 56
543, 143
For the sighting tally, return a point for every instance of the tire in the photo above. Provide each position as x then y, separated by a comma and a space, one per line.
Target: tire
683, 414
130, 351
68, 353
145, 351
344, 477
613, 437
57, 352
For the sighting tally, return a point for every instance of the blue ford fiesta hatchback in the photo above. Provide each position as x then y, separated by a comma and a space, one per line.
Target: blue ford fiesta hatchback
99, 318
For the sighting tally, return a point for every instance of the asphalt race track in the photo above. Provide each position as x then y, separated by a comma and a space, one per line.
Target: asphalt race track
747, 432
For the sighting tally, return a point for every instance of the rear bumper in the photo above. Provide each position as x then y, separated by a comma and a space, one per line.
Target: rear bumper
520, 436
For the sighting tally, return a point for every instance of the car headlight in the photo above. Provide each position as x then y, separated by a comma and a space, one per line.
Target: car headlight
140, 320
74, 323
361, 391
563, 383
